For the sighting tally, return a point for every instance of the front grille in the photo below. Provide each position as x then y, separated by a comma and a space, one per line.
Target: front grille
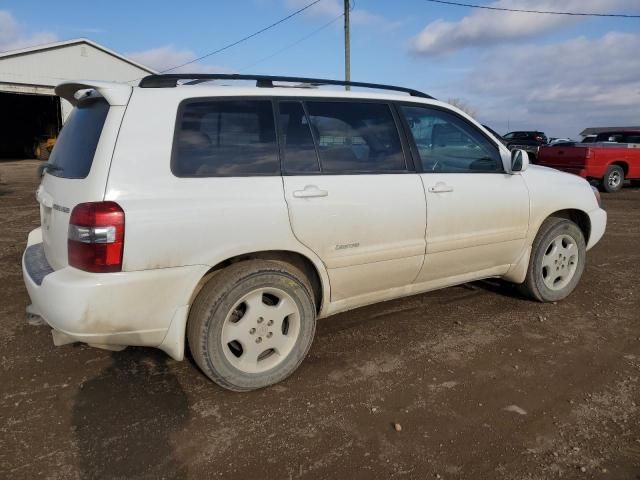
36, 263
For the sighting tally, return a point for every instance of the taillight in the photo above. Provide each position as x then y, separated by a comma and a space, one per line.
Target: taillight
96, 237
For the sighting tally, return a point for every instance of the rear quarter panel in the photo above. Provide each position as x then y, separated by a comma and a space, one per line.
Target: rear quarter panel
174, 222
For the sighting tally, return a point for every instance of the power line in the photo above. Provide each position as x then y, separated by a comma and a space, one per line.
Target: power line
544, 12
293, 44
244, 38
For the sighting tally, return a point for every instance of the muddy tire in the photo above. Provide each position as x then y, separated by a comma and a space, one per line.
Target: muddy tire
557, 261
613, 179
252, 324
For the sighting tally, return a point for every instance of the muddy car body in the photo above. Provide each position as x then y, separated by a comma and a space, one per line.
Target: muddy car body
236, 216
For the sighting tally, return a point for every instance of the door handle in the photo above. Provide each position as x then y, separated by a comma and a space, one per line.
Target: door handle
310, 191
440, 187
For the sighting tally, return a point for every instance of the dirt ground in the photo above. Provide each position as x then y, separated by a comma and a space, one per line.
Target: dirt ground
483, 383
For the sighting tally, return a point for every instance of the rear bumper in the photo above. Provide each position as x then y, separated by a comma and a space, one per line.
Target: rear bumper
146, 308
598, 220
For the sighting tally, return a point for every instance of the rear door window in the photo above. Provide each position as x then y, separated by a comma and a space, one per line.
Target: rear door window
356, 137
299, 151
73, 153
222, 138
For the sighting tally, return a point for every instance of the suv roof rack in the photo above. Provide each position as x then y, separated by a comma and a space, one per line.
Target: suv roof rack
169, 80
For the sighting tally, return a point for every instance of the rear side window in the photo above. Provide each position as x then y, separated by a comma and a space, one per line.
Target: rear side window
297, 142
356, 137
75, 148
222, 138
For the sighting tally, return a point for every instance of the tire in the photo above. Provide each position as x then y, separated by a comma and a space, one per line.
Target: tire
613, 179
559, 245
41, 152
240, 350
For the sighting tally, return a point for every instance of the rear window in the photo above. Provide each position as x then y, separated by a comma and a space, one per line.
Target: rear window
76, 146
222, 138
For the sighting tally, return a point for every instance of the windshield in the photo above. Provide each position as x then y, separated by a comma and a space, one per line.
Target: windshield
73, 153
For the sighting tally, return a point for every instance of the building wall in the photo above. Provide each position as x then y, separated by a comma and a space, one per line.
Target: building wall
40, 71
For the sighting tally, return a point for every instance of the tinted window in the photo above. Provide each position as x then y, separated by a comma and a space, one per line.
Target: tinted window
225, 138
448, 143
298, 148
76, 146
356, 137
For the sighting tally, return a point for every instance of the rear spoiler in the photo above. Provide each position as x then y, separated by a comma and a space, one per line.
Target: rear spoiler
113, 93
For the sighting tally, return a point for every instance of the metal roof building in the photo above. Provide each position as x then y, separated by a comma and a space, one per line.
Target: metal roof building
597, 130
30, 110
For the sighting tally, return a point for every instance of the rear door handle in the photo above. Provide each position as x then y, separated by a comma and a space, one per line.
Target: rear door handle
310, 191
440, 187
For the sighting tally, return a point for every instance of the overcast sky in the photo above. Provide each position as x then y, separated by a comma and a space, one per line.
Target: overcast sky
519, 71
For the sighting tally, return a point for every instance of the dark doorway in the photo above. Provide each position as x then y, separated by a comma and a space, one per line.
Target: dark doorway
26, 121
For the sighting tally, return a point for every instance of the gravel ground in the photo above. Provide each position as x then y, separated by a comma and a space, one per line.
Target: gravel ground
469, 382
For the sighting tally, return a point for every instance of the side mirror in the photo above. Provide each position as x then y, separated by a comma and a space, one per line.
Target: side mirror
519, 161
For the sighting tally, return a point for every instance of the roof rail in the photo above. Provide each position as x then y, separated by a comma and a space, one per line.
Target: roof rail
169, 80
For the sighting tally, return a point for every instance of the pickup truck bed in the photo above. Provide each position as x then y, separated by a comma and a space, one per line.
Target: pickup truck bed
608, 163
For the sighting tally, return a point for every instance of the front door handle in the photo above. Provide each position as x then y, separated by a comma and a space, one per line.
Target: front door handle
440, 187
310, 191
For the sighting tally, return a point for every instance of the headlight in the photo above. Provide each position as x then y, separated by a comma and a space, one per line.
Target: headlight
596, 192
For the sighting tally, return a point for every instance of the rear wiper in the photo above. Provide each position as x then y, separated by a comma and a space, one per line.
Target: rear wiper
49, 167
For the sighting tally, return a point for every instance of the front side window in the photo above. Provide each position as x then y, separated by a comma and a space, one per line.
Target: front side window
356, 137
225, 138
448, 143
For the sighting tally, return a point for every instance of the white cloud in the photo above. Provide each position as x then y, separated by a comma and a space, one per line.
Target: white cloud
14, 35
560, 88
168, 56
490, 27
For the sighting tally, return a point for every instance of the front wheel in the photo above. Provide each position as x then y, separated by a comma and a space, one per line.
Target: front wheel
557, 260
252, 324
613, 179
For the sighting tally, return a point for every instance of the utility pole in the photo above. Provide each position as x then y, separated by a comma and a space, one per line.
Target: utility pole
347, 48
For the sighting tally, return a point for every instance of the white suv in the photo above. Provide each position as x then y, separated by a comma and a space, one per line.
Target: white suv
232, 217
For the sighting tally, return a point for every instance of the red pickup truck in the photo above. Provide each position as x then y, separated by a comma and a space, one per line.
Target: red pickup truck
612, 158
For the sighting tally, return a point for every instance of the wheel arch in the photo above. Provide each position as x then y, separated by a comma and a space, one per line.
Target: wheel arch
311, 269
577, 216
620, 163
518, 270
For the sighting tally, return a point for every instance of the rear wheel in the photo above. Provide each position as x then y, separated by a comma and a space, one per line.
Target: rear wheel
557, 261
613, 179
252, 324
